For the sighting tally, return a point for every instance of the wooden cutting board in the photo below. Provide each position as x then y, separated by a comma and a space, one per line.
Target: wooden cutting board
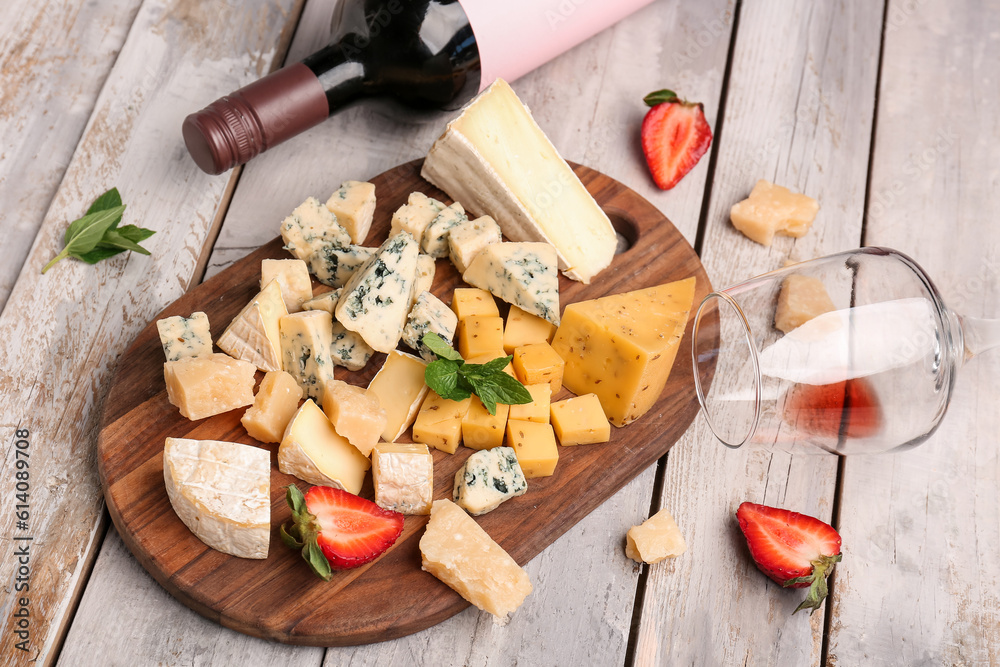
279, 598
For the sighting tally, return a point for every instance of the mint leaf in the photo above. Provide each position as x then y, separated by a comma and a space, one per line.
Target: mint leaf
109, 199
99, 253
489, 368
84, 234
115, 239
440, 347
442, 377
133, 233
498, 388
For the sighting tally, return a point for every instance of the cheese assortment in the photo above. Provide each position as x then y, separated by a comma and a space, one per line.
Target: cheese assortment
614, 352
222, 492
183, 337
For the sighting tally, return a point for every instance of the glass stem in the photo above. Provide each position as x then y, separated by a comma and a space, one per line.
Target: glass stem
979, 335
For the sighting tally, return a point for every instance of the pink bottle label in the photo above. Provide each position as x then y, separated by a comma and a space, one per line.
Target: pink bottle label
516, 36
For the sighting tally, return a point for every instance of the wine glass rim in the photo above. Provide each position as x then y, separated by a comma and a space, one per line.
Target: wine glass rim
699, 390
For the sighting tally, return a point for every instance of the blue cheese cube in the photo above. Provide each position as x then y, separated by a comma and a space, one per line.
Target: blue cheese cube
349, 349
522, 274
310, 227
183, 337
426, 268
306, 343
429, 315
466, 239
414, 216
326, 301
376, 299
435, 238
488, 478
334, 265
354, 205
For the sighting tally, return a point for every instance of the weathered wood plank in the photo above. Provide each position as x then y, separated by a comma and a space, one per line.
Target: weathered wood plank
798, 112
56, 55
63, 331
921, 528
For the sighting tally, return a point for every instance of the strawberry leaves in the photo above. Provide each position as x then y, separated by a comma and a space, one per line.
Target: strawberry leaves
96, 236
300, 533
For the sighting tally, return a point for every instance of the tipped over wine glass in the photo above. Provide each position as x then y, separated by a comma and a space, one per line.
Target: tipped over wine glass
854, 353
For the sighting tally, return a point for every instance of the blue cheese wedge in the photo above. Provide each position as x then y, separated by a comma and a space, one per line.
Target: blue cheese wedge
354, 206
403, 475
306, 342
466, 239
326, 301
310, 227
522, 274
253, 334
222, 492
429, 315
488, 478
349, 349
415, 215
376, 300
293, 279
334, 265
497, 161
183, 337
435, 239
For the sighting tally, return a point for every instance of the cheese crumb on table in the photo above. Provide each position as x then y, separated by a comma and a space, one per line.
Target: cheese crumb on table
771, 209
658, 537
801, 299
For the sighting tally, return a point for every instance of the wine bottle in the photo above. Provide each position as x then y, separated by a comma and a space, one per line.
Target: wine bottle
422, 53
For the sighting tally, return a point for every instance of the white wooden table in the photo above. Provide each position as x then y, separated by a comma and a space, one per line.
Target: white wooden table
887, 114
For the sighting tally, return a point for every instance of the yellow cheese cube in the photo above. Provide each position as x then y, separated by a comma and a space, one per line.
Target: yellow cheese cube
403, 476
456, 550
353, 204
801, 299
314, 452
439, 422
580, 421
480, 429
355, 413
276, 401
401, 389
537, 363
538, 409
468, 301
657, 538
479, 335
209, 385
535, 446
524, 328
771, 209
622, 347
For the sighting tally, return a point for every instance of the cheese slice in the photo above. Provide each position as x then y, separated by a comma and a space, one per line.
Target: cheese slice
354, 206
376, 299
522, 274
497, 161
293, 279
400, 388
253, 334
456, 550
622, 347
222, 492
208, 385
185, 336
313, 451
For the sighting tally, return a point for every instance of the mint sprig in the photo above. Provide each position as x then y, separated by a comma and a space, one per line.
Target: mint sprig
452, 378
97, 236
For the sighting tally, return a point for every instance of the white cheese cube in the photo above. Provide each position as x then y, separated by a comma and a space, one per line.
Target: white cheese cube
426, 268
183, 337
354, 206
469, 237
435, 239
403, 474
400, 388
293, 279
657, 538
326, 301
414, 216
310, 227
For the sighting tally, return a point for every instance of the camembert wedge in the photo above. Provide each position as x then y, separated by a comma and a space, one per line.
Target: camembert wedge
253, 334
222, 492
313, 451
497, 161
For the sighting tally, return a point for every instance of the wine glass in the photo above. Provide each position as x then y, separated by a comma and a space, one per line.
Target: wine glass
850, 353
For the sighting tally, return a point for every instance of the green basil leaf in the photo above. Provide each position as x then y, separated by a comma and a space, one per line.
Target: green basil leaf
109, 199
440, 347
112, 238
99, 253
134, 233
84, 234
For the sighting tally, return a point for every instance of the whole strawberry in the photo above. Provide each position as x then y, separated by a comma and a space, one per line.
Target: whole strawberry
675, 135
793, 549
337, 530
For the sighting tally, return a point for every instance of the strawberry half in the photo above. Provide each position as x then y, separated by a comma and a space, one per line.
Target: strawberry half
675, 135
337, 530
793, 549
